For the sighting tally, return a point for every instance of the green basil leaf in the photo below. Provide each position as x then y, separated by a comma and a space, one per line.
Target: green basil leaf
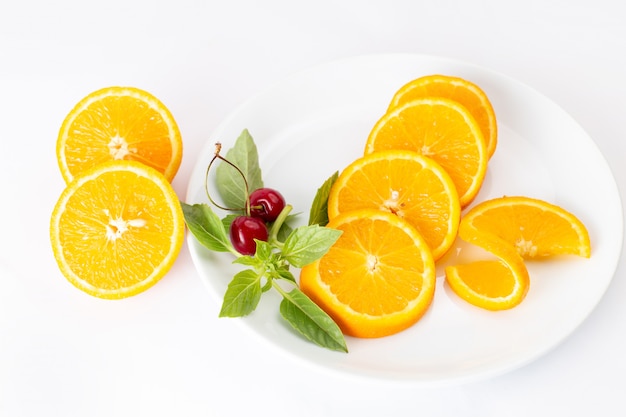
285, 273
242, 295
311, 321
248, 261
267, 286
263, 250
206, 227
229, 182
307, 244
319, 208
227, 220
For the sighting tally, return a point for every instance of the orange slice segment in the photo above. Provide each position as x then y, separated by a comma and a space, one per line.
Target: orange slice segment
441, 129
119, 123
465, 92
494, 284
410, 185
377, 279
534, 227
513, 229
117, 229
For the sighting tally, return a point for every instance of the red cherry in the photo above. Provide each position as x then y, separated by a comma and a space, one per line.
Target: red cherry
266, 204
243, 231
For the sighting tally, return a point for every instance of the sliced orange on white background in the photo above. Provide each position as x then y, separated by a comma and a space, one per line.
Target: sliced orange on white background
117, 229
119, 123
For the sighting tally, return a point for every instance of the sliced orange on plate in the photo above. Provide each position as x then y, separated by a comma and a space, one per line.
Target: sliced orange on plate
513, 229
461, 90
407, 184
534, 227
441, 129
377, 279
117, 229
493, 284
119, 123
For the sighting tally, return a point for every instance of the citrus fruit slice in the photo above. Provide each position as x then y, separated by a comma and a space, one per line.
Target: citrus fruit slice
534, 227
377, 279
465, 92
513, 229
493, 284
119, 123
116, 229
441, 129
407, 184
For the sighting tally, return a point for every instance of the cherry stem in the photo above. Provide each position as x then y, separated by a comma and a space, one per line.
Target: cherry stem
273, 237
216, 155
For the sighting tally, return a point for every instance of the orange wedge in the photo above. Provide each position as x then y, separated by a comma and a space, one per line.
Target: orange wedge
117, 229
407, 184
441, 129
534, 227
119, 123
465, 92
377, 279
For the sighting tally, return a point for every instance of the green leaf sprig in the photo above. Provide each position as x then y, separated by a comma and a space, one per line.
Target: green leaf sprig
271, 265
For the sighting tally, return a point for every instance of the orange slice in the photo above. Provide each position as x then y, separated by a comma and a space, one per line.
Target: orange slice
513, 229
119, 123
441, 129
117, 229
472, 97
407, 184
377, 279
534, 227
493, 284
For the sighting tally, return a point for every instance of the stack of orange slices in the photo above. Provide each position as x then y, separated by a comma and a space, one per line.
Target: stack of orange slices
399, 207
118, 226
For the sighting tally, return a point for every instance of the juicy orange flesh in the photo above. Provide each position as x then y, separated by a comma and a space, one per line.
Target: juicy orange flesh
99, 210
491, 284
492, 279
368, 268
104, 131
457, 90
422, 199
534, 232
432, 131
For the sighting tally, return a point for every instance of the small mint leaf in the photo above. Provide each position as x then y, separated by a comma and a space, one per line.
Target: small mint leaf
206, 227
319, 208
307, 244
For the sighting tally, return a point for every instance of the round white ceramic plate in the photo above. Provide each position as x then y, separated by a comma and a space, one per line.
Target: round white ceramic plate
317, 121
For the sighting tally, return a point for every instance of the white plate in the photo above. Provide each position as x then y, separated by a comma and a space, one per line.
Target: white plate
316, 122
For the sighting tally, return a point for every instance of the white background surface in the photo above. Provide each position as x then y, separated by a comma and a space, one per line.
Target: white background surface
165, 352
